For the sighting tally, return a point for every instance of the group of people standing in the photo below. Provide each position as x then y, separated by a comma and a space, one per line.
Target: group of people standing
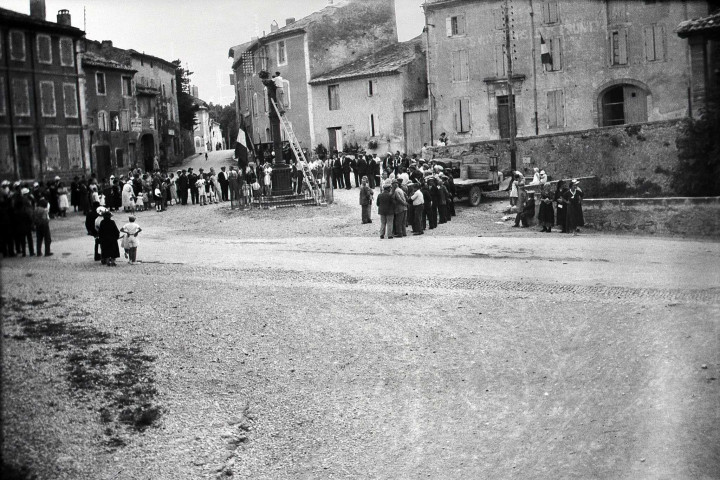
23, 212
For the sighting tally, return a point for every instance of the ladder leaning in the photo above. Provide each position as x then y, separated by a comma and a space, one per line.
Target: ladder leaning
312, 185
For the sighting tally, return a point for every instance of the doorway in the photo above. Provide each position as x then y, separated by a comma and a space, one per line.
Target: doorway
503, 107
148, 151
25, 156
102, 157
417, 131
623, 104
334, 139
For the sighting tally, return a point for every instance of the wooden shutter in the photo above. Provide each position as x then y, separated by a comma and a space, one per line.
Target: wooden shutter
465, 114
461, 24
560, 107
448, 26
456, 70
70, 100
649, 40
3, 108
464, 66
74, 151
457, 115
52, 151
47, 98
622, 47
556, 52
551, 109
659, 41
500, 60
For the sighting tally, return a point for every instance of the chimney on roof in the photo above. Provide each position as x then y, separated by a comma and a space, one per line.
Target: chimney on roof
63, 18
330, 2
37, 9
106, 44
289, 21
274, 26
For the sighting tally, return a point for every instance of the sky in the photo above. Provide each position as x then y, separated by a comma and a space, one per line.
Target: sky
199, 32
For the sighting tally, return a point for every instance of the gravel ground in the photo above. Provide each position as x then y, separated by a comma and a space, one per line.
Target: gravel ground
295, 344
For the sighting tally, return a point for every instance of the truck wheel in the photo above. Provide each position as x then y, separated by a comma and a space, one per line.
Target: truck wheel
475, 196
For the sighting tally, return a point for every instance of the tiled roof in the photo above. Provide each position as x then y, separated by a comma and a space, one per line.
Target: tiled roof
711, 23
386, 61
16, 18
93, 60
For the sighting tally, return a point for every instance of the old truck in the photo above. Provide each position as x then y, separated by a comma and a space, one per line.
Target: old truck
472, 176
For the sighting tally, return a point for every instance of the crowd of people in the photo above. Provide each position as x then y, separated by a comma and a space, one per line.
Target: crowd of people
24, 211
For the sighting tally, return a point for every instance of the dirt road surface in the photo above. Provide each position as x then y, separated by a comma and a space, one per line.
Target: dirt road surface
296, 344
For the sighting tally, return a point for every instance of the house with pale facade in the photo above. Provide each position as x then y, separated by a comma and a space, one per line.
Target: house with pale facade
378, 102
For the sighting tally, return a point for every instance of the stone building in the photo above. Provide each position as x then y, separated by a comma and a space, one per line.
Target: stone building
40, 108
207, 133
340, 33
605, 62
157, 121
109, 108
703, 37
378, 102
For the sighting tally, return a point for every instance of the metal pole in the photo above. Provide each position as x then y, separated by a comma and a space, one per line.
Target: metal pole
427, 73
534, 67
511, 100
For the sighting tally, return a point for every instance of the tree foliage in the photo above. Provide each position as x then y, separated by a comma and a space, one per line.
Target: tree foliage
186, 103
227, 118
698, 171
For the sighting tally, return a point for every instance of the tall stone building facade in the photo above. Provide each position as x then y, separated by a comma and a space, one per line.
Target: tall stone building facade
301, 50
40, 104
576, 64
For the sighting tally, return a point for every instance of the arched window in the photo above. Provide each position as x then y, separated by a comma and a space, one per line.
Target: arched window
621, 104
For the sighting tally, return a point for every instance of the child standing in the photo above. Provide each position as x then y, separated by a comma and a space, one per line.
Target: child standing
41, 218
63, 201
267, 180
131, 242
157, 194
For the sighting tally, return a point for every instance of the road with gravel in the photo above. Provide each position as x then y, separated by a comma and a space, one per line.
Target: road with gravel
297, 344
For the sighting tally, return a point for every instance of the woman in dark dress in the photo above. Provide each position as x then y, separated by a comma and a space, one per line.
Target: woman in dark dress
109, 235
561, 205
575, 217
74, 193
546, 215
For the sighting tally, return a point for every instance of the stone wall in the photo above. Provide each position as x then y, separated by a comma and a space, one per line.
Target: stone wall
624, 153
699, 216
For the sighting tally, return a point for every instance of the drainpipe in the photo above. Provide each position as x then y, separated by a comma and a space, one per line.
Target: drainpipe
427, 73
79, 70
8, 101
534, 67
38, 101
511, 100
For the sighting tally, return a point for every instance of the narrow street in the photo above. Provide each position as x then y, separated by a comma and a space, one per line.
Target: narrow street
297, 344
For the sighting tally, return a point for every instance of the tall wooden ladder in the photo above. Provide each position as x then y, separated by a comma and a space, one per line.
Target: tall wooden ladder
312, 185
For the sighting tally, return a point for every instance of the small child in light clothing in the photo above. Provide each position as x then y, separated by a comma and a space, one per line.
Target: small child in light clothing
267, 180
131, 242
247, 194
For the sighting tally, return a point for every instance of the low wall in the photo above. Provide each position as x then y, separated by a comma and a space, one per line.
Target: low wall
626, 153
693, 216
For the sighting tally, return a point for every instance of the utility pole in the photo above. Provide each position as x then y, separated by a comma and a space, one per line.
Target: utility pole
511, 99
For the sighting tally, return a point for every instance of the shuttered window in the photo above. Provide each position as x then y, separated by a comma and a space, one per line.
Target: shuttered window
334, 97
100, 83
21, 97
654, 37
44, 49
500, 61
70, 100
125, 121
462, 115
556, 108
550, 12
52, 152
67, 54
47, 99
618, 47
555, 47
286, 92
74, 151
3, 108
6, 156
17, 45
460, 66
281, 53
455, 26
103, 124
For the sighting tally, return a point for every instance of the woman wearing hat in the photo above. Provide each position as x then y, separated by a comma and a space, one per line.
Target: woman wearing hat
574, 219
366, 200
109, 235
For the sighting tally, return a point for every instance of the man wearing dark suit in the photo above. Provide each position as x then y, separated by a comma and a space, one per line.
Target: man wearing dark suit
346, 168
182, 186
224, 182
356, 173
362, 169
192, 180
337, 173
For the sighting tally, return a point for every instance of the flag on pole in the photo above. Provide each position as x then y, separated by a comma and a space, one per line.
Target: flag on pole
545, 57
241, 148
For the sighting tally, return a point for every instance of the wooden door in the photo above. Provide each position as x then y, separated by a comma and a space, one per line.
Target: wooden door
635, 104
417, 131
504, 115
102, 159
25, 156
334, 140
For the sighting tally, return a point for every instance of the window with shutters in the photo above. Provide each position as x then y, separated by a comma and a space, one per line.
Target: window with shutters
103, 123
255, 104
281, 54
100, 83
125, 121
3, 108
334, 97
462, 115
618, 47
7, 162
47, 99
74, 151
286, 92
500, 61
550, 12
455, 26
265, 100
67, 54
44, 49
17, 45
460, 69
126, 84
556, 57
373, 125
2, 52
52, 152
654, 36
21, 97
70, 100
114, 121
556, 109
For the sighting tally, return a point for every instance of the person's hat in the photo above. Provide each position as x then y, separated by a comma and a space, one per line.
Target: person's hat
112, 176
24, 191
5, 183
36, 184
57, 178
16, 184
574, 181
387, 187
157, 192
131, 218
100, 210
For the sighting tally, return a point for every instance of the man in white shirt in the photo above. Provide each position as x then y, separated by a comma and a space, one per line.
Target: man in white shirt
418, 202
280, 92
